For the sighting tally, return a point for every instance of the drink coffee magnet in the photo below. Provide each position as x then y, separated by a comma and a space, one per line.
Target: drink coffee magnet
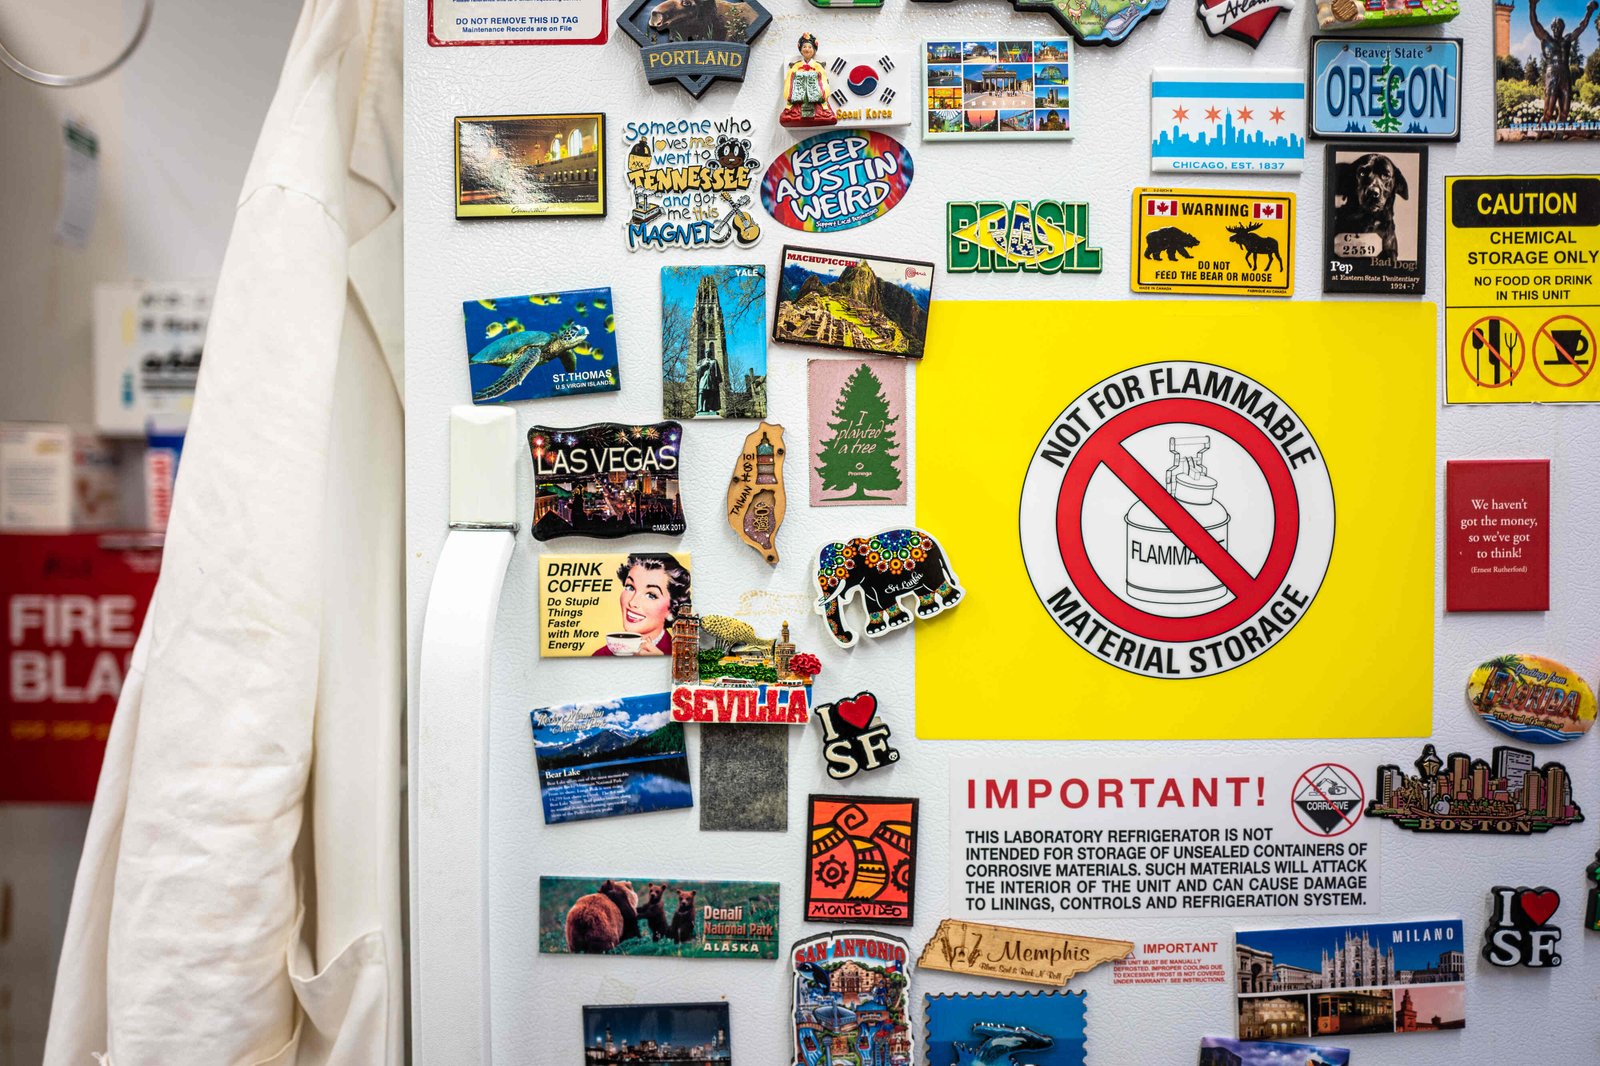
1519, 931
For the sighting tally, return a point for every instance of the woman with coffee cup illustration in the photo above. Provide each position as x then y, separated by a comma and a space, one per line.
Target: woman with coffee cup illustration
655, 590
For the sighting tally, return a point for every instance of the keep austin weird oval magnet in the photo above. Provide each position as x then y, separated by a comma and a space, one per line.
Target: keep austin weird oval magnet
836, 180
1177, 519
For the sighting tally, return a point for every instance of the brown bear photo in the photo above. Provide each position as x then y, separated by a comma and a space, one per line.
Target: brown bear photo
654, 914
600, 921
683, 921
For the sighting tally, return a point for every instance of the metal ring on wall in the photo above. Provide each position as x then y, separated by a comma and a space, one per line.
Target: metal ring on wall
68, 81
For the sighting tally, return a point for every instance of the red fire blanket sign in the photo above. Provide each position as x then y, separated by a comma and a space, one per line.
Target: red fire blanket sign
73, 606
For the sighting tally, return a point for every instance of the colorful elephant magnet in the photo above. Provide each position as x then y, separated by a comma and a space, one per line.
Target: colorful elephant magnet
883, 570
755, 494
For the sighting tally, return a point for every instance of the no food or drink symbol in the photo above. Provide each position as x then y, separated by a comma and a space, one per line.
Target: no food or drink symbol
1563, 351
1493, 351
1177, 520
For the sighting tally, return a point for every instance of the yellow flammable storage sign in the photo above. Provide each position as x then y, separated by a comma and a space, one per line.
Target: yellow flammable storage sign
1176, 519
1522, 289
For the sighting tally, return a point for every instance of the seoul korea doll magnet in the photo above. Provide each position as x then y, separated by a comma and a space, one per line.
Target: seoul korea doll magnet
690, 184
530, 166
861, 859
884, 571
1536, 700
694, 42
852, 1000
854, 737
606, 480
1519, 931
755, 493
1041, 237
1509, 795
805, 89
1406, 88
714, 342
1375, 219
1227, 120
1009, 89
533, 347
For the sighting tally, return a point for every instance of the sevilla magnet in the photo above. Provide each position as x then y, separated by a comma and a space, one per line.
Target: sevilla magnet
755, 494
854, 737
884, 571
723, 673
1519, 932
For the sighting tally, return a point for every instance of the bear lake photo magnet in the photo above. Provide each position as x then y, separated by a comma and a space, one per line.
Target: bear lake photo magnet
534, 347
530, 166
683, 919
608, 758
1375, 219
1404, 88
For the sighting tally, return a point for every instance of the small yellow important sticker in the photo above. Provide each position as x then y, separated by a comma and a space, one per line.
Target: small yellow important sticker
1213, 243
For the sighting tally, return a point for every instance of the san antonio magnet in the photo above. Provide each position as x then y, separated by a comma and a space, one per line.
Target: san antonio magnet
1177, 519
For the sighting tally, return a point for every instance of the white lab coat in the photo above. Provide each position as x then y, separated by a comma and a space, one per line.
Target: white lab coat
238, 901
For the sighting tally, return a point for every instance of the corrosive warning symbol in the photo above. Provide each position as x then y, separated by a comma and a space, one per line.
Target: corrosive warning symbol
1177, 520
1328, 799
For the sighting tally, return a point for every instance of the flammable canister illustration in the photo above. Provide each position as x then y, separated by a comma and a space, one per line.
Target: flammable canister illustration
1161, 567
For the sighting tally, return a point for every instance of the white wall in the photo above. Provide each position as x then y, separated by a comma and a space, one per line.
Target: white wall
176, 125
1550, 1017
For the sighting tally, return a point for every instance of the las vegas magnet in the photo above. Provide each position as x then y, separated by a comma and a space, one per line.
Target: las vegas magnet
1177, 519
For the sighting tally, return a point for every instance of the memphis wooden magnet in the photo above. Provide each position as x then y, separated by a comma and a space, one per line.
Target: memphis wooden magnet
854, 736
755, 494
1519, 931
883, 570
1035, 956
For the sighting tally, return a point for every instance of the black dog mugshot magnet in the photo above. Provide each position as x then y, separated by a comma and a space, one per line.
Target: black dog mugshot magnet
1374, 221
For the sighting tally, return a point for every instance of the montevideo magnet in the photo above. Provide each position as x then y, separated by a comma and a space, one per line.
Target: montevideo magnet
854, 736
836, 180
857, 410
861, 860
1041, 237
872, 89
694, 42
714, 341
883, 571
530, 166
1519, 931
1213, 243
666, 917
606, 480
1006, 1028
611, 604
1508, 796
1105, 22
755, 493
852, 1000
1233, 121
480, 22
534, 347
1536, 700
1388, 14
1405, 88
1007, 89
691, 184
1006, 953
865, 305
1243, 20
1375, 218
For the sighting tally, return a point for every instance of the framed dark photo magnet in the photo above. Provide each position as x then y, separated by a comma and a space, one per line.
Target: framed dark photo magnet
1375, 219
531, 166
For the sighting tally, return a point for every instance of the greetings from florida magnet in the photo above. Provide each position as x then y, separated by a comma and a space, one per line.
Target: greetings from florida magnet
836, 180
1536, 700
694, 42
861, 861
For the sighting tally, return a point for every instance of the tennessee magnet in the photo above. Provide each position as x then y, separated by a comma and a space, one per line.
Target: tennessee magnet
1213, 243
1042, 237
1536, 700
1177, 519
1508, 794
690, 184
755, 493
1243, 20
854, 737
694, 42
861, 861
1519, 931
883, 571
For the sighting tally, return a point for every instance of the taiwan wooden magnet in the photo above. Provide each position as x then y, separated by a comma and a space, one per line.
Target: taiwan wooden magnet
606, 480
1375, 219
533, 347
1105, 22
1012, 90
1536, 700
1041, 237
861, 860
1007, 1029
805, 89
854, 737
755, 494
690, 182
852, 1000
1509, 795
1247, 22
1035, 956
530, 166
836, 179
723, 673
1519, 931
694, 42
714, 341
883, 570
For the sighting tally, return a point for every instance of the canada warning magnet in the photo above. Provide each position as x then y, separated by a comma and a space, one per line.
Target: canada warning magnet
1536, 700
